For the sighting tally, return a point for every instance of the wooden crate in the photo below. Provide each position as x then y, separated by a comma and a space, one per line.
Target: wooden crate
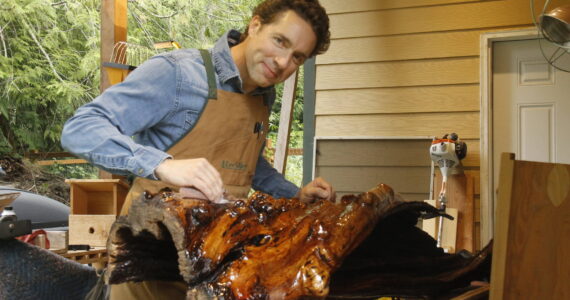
92, 230
95, 204
97, 196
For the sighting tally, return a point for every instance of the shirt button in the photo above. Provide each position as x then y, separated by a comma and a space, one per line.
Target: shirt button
140, 171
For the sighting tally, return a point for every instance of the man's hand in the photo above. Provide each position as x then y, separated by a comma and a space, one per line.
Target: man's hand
197, 173
315, 190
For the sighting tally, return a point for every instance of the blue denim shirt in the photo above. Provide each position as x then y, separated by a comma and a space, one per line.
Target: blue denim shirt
127, 129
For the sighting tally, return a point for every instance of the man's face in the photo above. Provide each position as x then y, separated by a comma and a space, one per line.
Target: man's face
275, 50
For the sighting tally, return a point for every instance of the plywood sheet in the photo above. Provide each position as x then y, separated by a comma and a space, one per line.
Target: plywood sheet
403, 73
428, 124
532, 229
452, 98
91, 230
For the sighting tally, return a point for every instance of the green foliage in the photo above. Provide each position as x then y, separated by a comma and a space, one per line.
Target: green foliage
49, 56
193, 24
80, 171
49, 61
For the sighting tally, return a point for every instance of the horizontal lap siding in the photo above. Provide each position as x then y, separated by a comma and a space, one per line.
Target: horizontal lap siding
357, 165
343, 6
470, 15
394, 100
466, 124
405, 68
402, 73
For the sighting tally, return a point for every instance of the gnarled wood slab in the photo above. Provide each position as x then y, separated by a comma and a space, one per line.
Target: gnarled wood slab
257, 248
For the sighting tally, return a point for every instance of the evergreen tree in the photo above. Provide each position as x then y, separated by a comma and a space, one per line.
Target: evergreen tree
49, 58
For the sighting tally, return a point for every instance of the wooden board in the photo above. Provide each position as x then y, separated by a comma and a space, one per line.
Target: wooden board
479, 293
61, 162
92, 230
402, 73
428, 124
530, 255
449, 231
96, 256
460, 196
455, 98
476, 15
340, 6
285, 120
399, 47
58, 240
97, 196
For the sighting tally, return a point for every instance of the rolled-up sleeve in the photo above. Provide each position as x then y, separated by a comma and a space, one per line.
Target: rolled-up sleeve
101, 131
268, 180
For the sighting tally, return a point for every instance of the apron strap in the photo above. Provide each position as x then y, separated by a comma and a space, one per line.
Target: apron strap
212, 87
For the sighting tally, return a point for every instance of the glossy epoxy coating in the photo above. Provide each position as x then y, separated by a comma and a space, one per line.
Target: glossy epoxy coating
259, 247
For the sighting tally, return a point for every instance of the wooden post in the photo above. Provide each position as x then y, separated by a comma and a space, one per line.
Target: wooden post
287, 102
113, 30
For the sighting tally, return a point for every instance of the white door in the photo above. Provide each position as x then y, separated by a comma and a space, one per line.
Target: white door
531, 104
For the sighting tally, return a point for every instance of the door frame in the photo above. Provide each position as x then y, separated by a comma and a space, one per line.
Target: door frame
487, 41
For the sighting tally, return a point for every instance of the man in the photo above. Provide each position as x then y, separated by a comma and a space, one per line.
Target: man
199, 117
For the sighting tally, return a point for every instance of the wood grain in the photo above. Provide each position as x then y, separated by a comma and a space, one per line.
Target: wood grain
531, 237
537, 237
287, 105
428, 124
460, 196
393, 74
342, 6
475, 15
454, 98
97, 196
402, 47
91, 230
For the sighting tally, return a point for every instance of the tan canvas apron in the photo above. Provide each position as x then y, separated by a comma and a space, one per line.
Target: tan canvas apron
229, 133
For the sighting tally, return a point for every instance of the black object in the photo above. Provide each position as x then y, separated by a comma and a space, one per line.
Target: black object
399, 259
11, 229
78, 247
29, 272
43, 212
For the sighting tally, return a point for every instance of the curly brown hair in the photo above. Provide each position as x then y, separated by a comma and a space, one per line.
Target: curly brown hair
310, 10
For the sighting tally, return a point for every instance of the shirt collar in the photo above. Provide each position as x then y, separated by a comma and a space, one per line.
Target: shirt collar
225, 66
